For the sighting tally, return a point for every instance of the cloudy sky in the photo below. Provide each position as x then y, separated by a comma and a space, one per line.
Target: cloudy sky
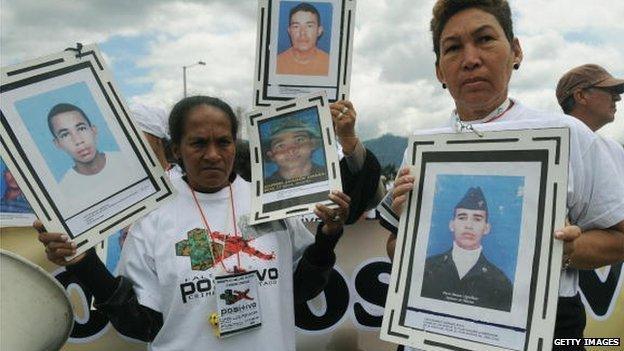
393, 85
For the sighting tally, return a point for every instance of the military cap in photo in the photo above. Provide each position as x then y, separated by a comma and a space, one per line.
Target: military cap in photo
473, 200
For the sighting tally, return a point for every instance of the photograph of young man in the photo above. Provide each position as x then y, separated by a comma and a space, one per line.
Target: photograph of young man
290, 146
74, 134
304, 57
463, 274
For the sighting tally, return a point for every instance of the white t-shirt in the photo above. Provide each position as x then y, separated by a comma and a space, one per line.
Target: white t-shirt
117, 174
595, 194
464, 259
156, 258
174, 171
617, 153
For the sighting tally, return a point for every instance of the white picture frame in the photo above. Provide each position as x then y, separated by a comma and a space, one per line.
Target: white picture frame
523, 171
45, 148
277, 196
273, 83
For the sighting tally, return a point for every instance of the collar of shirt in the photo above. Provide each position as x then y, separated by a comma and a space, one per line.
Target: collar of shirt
459, 125
465, 259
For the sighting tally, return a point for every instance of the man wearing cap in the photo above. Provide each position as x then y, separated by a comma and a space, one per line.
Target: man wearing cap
589, 93
290, 146
463, 274
154, 122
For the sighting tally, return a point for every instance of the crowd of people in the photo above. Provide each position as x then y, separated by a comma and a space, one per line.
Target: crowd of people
476, 54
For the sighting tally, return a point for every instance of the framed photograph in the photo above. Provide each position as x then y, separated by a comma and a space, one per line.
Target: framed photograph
70, 144
15, 211
294, 160
476, 266
303, 47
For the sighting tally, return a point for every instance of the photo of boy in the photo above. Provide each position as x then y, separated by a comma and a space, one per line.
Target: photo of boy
73, 133
290, 146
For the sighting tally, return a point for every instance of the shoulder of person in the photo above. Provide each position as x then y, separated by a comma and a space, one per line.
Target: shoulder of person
612, 144
553, 118
114, 156
580, 134
241, 184
494, 273
168, 206
438, 260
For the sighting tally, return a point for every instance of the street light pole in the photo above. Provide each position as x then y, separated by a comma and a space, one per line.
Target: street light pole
184, 79
202, 63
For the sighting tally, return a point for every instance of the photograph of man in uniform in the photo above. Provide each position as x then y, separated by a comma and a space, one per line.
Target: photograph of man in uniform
290, 145
463, 274
74, 134
304, 57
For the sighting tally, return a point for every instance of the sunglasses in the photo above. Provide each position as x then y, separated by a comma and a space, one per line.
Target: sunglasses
610, 91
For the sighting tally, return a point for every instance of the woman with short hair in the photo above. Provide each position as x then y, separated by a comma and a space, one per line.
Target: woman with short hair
476, 53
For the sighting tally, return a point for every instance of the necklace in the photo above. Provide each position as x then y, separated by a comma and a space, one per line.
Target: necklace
459, 125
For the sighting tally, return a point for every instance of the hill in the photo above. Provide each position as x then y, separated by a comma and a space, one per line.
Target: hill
388, 148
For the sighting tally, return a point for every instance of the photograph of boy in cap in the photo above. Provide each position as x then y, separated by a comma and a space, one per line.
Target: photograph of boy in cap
290, 145
463, 274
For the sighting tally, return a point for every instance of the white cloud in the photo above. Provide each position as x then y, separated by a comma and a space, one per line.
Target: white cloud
393, 83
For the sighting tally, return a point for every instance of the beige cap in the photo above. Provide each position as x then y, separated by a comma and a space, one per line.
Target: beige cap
586, 76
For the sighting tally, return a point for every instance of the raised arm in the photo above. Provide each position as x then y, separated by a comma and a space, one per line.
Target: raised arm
314, 268
359, 168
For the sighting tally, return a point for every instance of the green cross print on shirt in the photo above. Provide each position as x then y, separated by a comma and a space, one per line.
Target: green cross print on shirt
197, 247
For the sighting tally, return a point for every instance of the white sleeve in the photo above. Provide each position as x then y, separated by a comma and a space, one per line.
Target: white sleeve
301, 238
385, 206
595, 190
616, 151
137, 264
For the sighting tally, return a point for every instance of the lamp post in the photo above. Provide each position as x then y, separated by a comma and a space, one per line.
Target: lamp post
202, 63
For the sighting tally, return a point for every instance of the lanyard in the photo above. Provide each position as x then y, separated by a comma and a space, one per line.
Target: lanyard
459, 125
225, 235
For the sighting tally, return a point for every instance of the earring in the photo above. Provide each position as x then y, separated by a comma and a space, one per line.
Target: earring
516, 66
443, 85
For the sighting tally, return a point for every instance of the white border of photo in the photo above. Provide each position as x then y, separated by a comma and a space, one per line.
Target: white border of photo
108, 209
428, 324
298, 200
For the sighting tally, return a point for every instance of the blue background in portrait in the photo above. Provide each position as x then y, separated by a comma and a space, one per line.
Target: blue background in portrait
34, 113
310, 117
113, 252
324, 9
3, 188
504, 197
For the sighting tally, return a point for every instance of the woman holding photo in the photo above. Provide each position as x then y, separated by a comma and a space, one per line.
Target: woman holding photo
476, 53
174, 259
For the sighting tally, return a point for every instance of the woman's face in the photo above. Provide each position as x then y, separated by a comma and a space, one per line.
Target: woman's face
207, 148
476, 61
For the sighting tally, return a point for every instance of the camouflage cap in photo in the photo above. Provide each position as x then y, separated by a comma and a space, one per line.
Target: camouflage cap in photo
289, 125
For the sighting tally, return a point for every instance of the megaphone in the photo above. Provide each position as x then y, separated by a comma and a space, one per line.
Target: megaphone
35, 312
